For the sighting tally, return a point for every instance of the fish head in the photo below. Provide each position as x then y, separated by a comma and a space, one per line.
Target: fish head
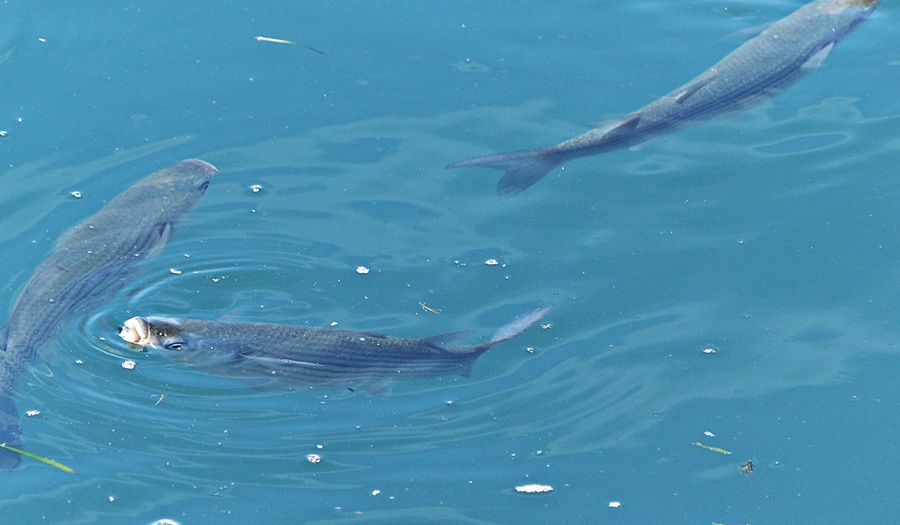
178, 187
136, 331
839, 5
191, 341
192, 176
155, 333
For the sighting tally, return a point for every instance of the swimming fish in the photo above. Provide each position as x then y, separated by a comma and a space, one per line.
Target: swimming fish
90, 263
301, 356
756, 71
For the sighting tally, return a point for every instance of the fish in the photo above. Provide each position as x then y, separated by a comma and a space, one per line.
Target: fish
269, 354
764, 66
90, 263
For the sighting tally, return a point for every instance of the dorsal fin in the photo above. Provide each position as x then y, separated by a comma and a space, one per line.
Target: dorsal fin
626, 127
443, 339
818, 58
694, 87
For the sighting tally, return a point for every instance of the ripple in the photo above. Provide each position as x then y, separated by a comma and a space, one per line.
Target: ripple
804, 143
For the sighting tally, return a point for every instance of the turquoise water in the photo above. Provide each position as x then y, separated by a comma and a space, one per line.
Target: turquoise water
770, 238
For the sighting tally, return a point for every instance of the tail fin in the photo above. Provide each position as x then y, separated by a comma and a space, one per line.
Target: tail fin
523, 168
519, 324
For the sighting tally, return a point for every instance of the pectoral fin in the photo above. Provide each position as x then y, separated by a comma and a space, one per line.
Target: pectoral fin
279, 362
377, 388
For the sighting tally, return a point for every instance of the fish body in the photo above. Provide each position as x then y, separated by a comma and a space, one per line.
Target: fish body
300, 356
91, 262
756, 71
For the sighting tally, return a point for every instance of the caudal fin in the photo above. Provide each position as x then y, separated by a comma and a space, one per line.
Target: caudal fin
523, 168
519, 324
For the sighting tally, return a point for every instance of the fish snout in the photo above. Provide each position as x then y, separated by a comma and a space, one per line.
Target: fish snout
136, 330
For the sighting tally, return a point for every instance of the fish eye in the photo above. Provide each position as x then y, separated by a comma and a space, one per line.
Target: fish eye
174, 345
203, 186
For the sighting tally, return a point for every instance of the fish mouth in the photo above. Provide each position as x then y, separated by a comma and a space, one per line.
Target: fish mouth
136, 330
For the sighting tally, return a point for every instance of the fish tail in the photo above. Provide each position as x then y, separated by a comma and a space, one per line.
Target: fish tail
523, 168
518, 325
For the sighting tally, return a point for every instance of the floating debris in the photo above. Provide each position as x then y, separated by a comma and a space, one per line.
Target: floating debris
288, 42
129, 365
50, 462
714, 449
376, 492
165, 521
362, 270
615, 504
709, 434
429, 309
709, 350
256, 188
491, 262
470, 66
534, 488
174, 271
747, 468
32, 413
4, 134
275, 40
161, 397
313, 458
76, 194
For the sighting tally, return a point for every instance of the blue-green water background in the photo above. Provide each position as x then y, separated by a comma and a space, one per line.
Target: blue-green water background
771, 237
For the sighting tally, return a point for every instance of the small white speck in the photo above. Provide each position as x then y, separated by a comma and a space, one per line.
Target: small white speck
32, 413
174, 271
42, 39
534, 489
615, 504
547, 326
320, 447
334, 323
709, 434
376, 492
491, 262
112, 498
256, 188
129, 365
362, 270
709, 350
76, 194
79, 362
313, 458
